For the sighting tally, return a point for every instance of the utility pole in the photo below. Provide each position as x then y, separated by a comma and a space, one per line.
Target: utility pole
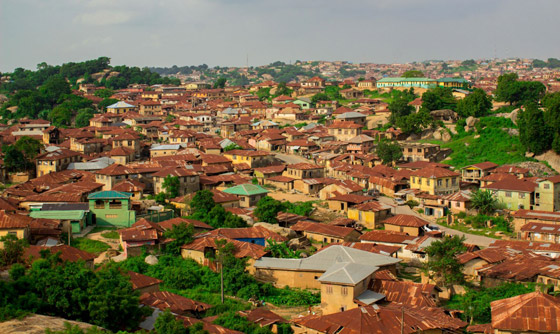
222, 278
402, 320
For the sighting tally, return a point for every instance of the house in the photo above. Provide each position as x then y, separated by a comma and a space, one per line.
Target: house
369, 214
132, 186
524, 217
304, 273
391, 319
541, 232
515, 194
473, 173
254, 159
121, 107
143, 283
340, 187
422, 152
197, 225
257, 235
158, 150
407, 293
535, 312
72, 220
304, 171
55, 161
389, 238
264, 318
112, 208
411, 225
189, 181
360, 144
344, 130
203, 250
280, 182
341, 202
142, 236
249, 194
352, 116
459, 201
326, 233
14, 224
435, 180
164, 300
113, 174
67, 253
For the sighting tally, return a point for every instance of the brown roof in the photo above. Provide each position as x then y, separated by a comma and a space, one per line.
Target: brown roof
246, 153
521, 185
351, 198
511, 169
344, 125
484, 165
271, 169
129, 185
541, 228
115, 169
535, 312
371, 247
254, 232
242, 249
207, 326
304, 166
527, 245
323, 229
540, 215
57, 155
140, 281
13, 221
434, 172
386, 236
406, 220
280, 178
174, 171
406, 292
168, 224
175, 303
386, 320
262, 317
67, 253
374, 206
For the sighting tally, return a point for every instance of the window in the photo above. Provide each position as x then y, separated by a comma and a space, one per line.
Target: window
546, 186
508, 193
521, 195
439, 183
111, 216
344, 291
99, 204
329, 289
12, 233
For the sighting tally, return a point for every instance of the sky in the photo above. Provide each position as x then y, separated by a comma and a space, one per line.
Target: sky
228, 32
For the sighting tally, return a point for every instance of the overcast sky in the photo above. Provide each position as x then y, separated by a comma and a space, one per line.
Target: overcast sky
224, 32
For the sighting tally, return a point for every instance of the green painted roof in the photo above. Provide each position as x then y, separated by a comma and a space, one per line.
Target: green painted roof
246, 190
405, 79
110, 194
59, 214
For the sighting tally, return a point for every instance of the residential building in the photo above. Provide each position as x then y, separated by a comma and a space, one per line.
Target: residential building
369, 214
304, 171
326, 233
435, 180
409, 224
189, 181
473, 173
55, 161
344, 130
112, 208
254, 159
249, 194
515, 194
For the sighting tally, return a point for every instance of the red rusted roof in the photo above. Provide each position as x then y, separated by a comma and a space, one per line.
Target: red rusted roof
140, 281
386, 236
67, 253
262, 317
254, 232
541, 228
535, 312
406, 220
323, 229
175, 303
14, 221
242, 249
434, 172
407, 293
168, 224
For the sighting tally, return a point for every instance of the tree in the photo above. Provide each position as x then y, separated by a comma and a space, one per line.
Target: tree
54, 89
484, 201
282, 89
12, 250
61, 116
506, 89
30, 147
104, 93
439, 98
416, 122
267, 209
319, 97
551, 103
442, 265
171, 185
389, 152
281, 250
83, 117
232, 146
264, 94
102, 106
182, 235
202, 203
220, 83
399, 108
413, 74
534, 133
166, 323
476, 104
14, 160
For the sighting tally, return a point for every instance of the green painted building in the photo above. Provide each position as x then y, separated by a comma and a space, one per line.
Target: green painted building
112, 208
76, 220
249, 194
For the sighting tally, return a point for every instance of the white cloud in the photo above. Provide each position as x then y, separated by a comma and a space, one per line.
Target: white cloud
103, 17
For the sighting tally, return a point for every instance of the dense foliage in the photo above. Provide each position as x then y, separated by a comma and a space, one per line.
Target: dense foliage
476, 301
439, 98
442, 265
186, 277
268, 207
21, 155
204, 208
389, 152
483, 201
476, 104
73, 291
511, 90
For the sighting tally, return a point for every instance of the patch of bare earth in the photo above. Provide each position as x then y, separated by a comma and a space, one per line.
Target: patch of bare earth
37, 324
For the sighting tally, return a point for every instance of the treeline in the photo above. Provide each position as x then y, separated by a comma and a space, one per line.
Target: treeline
186, 70
47, 92
550, 63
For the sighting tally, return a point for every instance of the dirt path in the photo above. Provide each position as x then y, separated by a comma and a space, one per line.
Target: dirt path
294, 312
281, 196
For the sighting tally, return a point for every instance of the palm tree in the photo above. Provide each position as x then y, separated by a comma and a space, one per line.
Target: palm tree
484, 201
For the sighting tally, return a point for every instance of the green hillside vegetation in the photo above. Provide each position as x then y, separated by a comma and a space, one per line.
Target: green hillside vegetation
488, 143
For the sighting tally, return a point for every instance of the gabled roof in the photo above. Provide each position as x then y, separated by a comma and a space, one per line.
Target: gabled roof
67, 253
520, 185
140, 281
406, 220
242, 249
110, 194
487, 165
434, 172
347, 273
168, 224
246, 190
406, 292
175, 303
254, 232
535, 312
115, 169
323, 229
